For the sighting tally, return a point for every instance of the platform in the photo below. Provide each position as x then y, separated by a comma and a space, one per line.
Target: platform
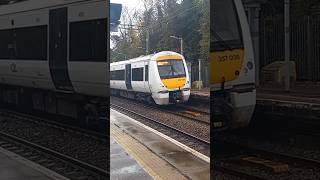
298, 102
202, 95
158, 155
122, 166
15, 167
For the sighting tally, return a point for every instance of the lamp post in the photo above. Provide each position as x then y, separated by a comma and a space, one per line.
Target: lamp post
181, 43
287, 42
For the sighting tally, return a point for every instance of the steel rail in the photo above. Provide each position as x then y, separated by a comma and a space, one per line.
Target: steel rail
56, 154
288, 157
166, 110
160, 123
24, 116
238, 174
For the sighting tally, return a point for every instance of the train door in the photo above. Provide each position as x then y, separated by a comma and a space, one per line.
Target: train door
128, 76
146, 77
58, 27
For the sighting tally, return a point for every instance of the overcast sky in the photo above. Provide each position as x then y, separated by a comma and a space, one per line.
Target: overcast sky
131, 5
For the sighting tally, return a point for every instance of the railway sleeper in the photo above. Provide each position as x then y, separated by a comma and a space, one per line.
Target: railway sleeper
273, 166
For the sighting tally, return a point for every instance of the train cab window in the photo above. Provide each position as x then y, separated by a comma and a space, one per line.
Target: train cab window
171, 69
137, 74
117, 75
225, 30
88, 40
146, 73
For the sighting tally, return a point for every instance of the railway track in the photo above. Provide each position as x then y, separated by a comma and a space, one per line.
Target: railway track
203, 141
188, 112
43, 141
180, 110
61, 163
23, 116
196, 109
288, 157
273, 160
236, 173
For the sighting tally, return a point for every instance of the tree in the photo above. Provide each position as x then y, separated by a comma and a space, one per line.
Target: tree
161, 19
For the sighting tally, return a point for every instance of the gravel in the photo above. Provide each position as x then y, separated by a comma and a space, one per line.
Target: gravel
195, 128
279, 138
85, 148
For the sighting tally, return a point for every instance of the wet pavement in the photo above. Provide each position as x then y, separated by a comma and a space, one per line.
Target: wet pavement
122, 166
189, 164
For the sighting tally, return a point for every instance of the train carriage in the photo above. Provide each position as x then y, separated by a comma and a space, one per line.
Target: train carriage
232, 66
161, 78
53, 56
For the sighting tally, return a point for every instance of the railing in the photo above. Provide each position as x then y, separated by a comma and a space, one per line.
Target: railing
305, 44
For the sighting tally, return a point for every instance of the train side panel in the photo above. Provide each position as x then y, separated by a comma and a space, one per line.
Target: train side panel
30, 69
33, 74
88, 70
138, 76
118, 83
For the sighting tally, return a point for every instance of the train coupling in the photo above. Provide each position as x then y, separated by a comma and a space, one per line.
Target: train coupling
222, 110
175, 96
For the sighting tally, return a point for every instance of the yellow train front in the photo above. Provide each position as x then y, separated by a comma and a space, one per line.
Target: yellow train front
232, 79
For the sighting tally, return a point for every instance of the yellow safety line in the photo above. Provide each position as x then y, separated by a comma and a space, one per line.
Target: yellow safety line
156, 167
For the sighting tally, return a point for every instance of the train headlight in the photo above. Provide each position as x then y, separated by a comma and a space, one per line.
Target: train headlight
250, 65
185, 89
163, 92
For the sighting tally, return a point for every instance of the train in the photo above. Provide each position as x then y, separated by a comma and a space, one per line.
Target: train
232, 76
161, 78
53, 58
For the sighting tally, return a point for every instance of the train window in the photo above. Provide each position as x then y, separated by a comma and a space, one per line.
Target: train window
137, 74
6, 44
117, 75
146, 78
88, 40
31, 43
24, 43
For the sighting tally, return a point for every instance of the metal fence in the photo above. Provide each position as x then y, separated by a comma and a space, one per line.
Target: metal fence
204, 73
305, 44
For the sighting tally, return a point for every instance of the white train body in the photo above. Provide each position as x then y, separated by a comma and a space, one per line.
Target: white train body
45, 59
53, 56
162, 76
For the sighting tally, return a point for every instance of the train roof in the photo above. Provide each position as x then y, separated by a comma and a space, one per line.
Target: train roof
30, 5
147, 57
141, 58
